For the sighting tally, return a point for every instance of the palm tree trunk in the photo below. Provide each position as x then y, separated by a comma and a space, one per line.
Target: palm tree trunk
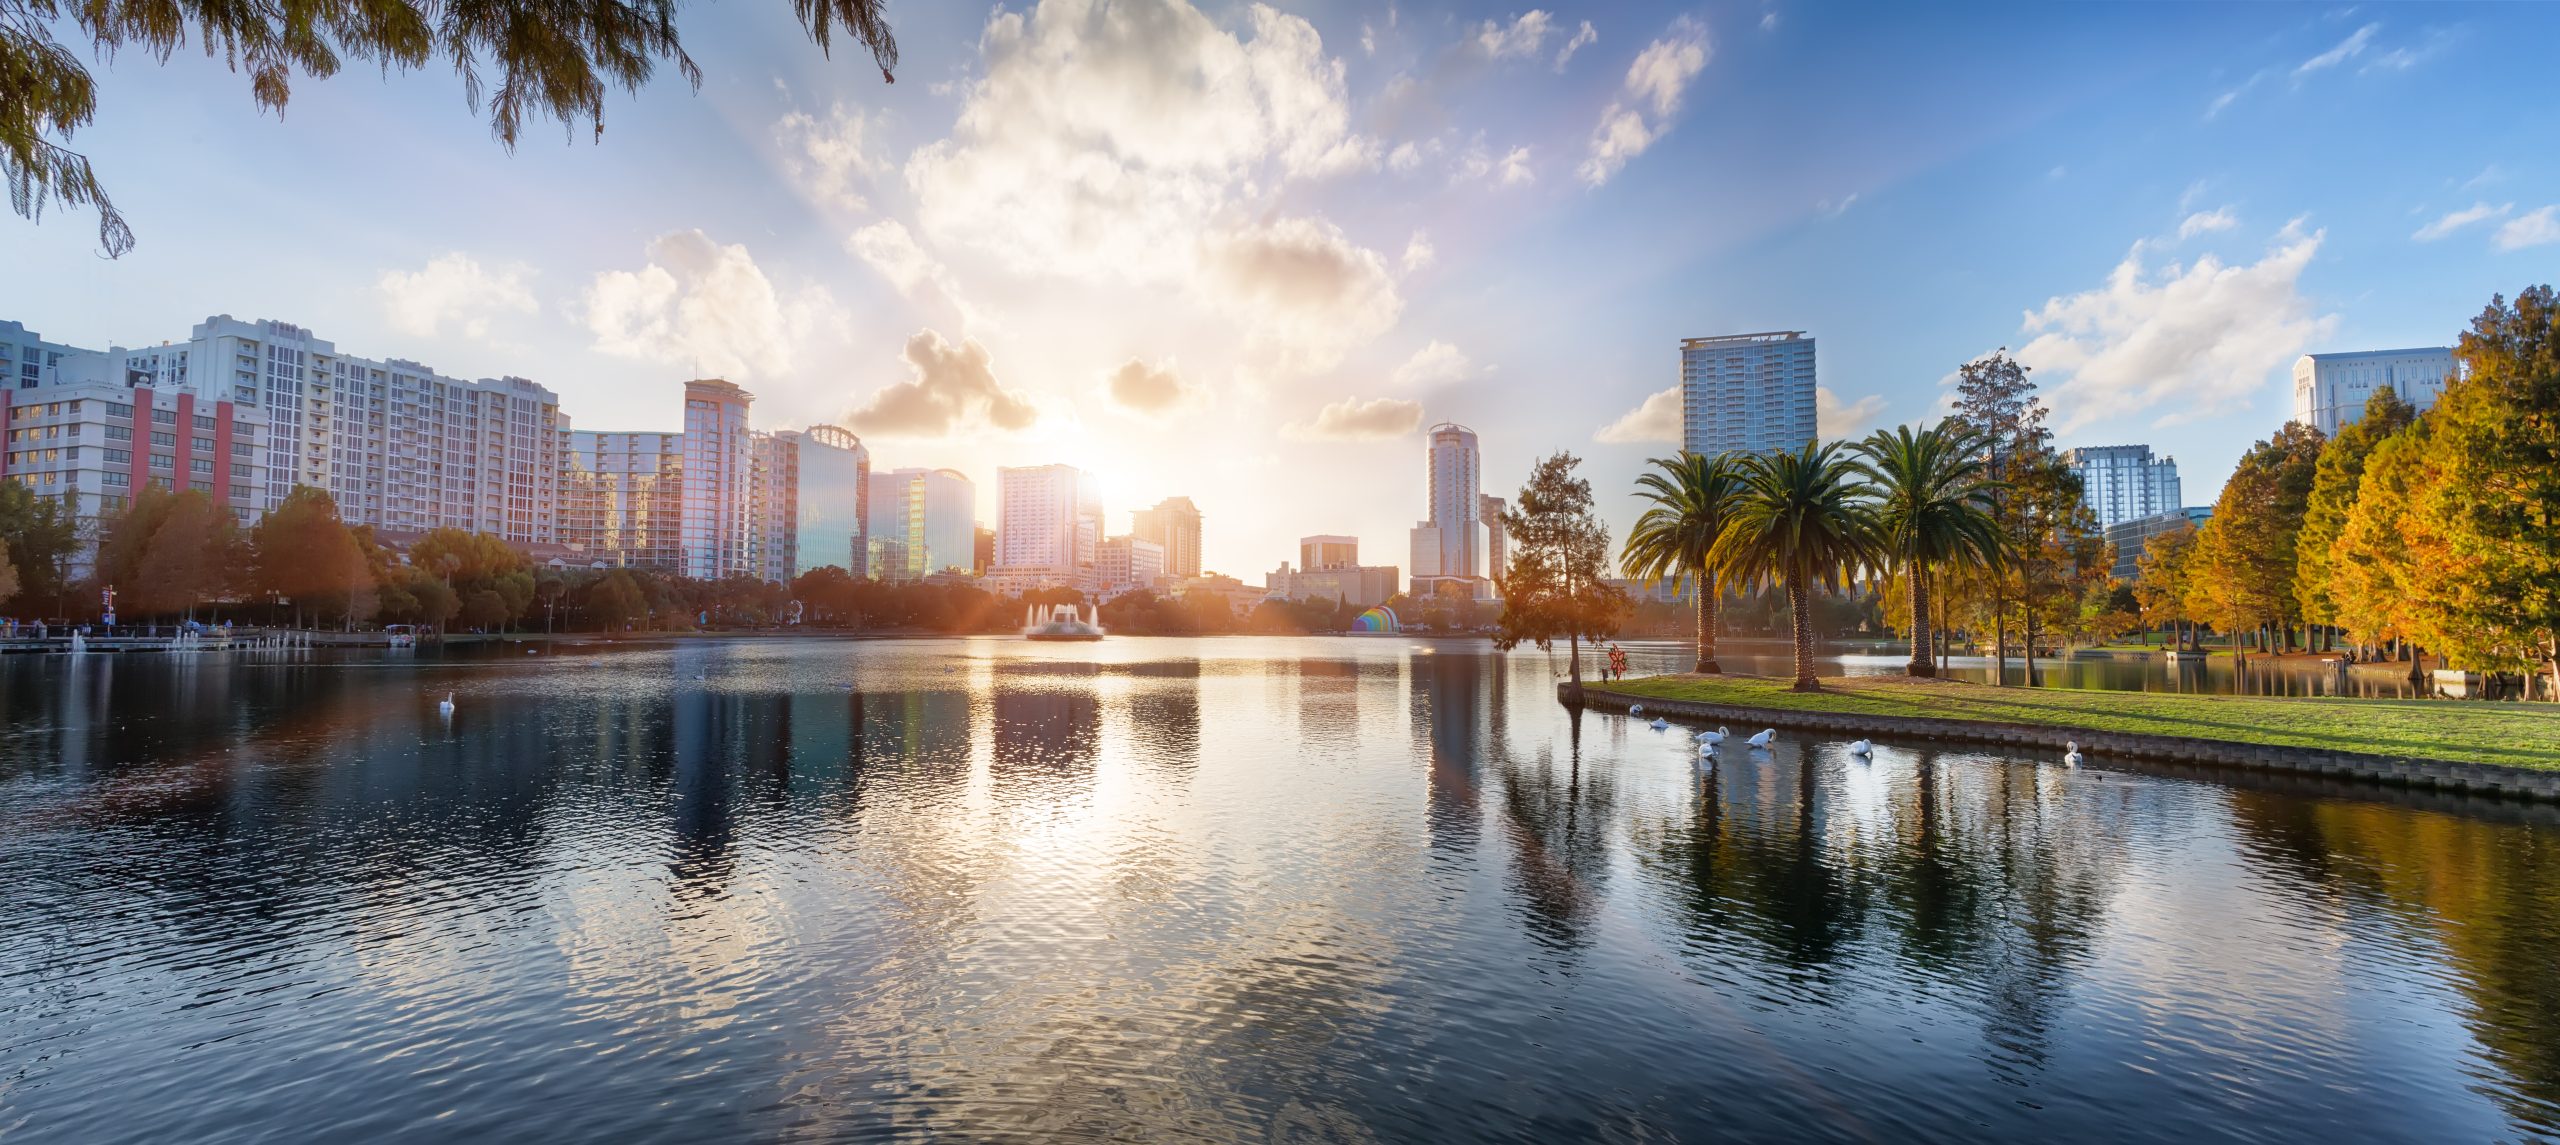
1707, 626
1920, 661
1800, 610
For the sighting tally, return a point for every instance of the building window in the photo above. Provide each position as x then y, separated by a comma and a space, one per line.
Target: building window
119, 433
166, 440
117, 479
164, 417
163, 461
119, 457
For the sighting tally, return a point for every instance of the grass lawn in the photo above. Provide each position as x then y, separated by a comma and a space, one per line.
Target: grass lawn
2514, 734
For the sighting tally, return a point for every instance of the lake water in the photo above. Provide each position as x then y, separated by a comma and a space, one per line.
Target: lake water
1234, 889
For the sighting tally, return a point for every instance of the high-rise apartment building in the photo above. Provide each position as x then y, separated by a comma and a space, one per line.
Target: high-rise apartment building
1747, 393
91, 444
1174, 524
2132, 537
920, 522
1449, 546
1048, 526
26, 359
774, 496
2123, 482
622, 499
1125, 563
1327, 551
2330, 390
1497, 536
396, 445
719, 473
834, 497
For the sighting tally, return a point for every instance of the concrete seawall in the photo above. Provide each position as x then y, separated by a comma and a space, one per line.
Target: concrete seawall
2434, 774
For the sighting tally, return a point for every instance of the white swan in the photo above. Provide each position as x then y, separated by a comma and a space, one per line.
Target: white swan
1766, 736
1635, 709
1660, 724
2071, 753
1860, 747
444, 707
1713, 737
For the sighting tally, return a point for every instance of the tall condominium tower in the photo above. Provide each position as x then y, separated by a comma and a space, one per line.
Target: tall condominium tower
2124, 482
1497, 538
1173, 524
1450, 545
773, 496
719, 474
622, 498
1747, 393
2329, 390
1048, 525
920, 522
834, 497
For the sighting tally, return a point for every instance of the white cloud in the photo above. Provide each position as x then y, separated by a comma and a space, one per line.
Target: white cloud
1522, 38
454, 289
701, 305
1833, 419
1514, 169
1140, 143
1769, 21
1151, 390
2190, 341
2226, 99
1436, 364
2534, 228
2347, 49
1352, 419
951, 388
826, 157
2207, 222
1583, 37
888, 247
1834, 208
1405, 157
2456, 220
1305, 294
1659, 77
1656, 419
2408, 56
1368, 40
1418, 253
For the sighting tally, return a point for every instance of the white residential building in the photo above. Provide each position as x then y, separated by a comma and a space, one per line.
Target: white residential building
91, 444
2122, 482
1126, 563
622, 499
1048, 526
774, 495
1747, 393
719, 520
2330, 390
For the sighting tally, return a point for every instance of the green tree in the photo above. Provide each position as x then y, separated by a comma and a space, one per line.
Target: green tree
2333, 493
190, 556
1804, 521
2055, 555
1554, 587
1691, 498
2374, 564
1934, 506
1996, 402
2495, 604
125, 536
2245, 555
2161, 582
41, 534
303, 553
616, 601
528, 59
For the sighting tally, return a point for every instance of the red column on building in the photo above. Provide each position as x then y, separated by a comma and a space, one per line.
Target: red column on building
141, 440
222, 453
8, 407
181, 475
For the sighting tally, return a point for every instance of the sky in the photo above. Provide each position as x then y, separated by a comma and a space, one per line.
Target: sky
1246, 253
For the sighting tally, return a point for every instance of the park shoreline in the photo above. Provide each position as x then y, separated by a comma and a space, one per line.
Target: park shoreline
2393, 770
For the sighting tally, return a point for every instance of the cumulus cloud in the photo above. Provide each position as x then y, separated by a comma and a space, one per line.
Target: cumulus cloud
952, 388
2347, 49
1153, 390
889, 248
2532, 229
454, 289
826, 158
2207, 222
1514, 169
2189, 340
1405, 157
2456, 220
1657, 80
1655, 420
1522, 37
1352, 419
1436, 364
1583, 37
1305, 294
702, 305
1418, 253
1835, 418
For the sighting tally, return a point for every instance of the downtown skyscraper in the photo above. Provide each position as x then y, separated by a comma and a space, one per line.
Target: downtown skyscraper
1747, 393
1448, 548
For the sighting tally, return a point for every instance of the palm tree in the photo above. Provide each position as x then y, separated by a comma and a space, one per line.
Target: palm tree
1693, 496
1933, 506
1804, 519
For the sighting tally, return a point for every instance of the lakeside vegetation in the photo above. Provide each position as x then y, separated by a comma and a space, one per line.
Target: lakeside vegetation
2512, 735
2411, 533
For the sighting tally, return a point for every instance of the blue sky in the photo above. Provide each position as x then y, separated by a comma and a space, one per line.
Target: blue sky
1243, 253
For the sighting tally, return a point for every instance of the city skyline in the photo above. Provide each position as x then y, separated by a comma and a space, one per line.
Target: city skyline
1489, 255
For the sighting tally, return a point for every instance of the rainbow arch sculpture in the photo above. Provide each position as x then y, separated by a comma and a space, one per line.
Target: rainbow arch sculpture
1378, 621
